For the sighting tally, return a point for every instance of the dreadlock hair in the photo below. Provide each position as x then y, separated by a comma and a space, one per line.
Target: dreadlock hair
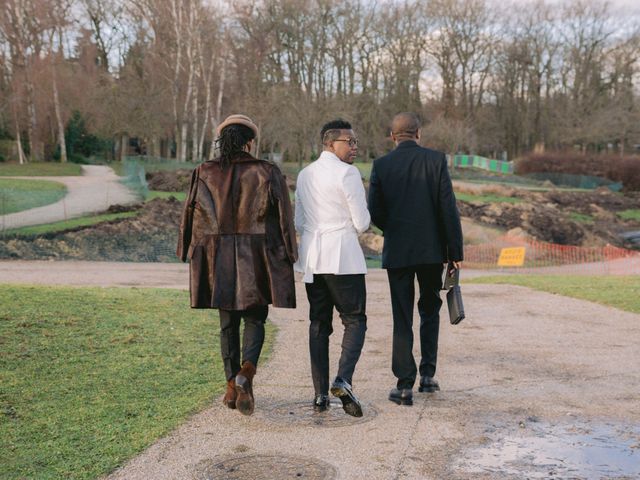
232, 141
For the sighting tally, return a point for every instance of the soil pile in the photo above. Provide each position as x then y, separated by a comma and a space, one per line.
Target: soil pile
561, 217
151, 236
167, 181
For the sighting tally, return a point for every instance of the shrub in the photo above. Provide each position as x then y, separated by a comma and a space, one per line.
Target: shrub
612, 167
80, 142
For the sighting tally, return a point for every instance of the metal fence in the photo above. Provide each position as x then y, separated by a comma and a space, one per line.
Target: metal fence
476, 161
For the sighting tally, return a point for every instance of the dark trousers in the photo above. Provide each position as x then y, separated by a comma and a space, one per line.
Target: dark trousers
347, 293
401, 284
252, 338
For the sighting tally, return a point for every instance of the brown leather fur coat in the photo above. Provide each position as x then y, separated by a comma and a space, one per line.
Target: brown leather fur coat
237, 232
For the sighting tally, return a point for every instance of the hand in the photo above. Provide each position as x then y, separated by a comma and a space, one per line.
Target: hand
452, 267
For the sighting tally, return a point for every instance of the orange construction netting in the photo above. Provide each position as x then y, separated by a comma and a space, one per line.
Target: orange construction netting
551, 258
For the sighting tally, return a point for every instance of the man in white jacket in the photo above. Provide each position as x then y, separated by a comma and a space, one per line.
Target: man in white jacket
331, 210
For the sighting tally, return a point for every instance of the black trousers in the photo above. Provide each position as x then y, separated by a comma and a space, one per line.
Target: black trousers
348, 294
252, 338
401, 284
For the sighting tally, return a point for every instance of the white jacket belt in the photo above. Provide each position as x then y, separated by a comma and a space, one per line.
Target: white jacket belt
331, 210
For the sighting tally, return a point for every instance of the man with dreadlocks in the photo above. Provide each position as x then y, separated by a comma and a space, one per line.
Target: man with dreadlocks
237, 233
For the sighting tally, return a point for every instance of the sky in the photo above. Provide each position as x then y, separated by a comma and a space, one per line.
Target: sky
624, 7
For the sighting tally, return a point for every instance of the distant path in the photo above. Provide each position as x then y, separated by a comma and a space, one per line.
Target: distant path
95, 191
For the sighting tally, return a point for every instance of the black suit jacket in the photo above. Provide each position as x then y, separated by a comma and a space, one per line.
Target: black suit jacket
411, 200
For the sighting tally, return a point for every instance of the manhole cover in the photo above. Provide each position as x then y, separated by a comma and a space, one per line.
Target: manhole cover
267, 467
302, 413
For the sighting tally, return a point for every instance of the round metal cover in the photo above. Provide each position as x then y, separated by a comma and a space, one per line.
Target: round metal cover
302, 413
268, 467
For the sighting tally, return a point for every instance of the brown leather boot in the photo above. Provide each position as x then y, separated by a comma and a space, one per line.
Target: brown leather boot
244, 388
230, 395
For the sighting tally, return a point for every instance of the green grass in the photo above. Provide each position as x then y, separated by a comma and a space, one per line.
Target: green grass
19, 195
580, 217
365, 169
40, 169
291, 169
633, 214
489, 198
181, 196
150, 164
88, 220
621, 292
89, 377
69, 224
373, 262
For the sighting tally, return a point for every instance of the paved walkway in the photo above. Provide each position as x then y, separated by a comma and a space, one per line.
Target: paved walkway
95, 191
522, 365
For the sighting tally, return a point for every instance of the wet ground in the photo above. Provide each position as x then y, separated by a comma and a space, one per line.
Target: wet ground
569, 448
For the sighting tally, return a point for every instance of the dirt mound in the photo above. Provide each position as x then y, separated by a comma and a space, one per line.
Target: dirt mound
562, 217
151, 236
166, 181
538, 221
178, 181
590, 202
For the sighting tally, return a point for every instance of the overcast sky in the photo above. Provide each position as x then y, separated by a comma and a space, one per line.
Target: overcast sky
624, 7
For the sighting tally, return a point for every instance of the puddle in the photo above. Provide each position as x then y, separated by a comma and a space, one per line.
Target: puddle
539, 450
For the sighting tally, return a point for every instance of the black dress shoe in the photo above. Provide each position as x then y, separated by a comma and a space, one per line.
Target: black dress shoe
428, 384
321, 403
350, 403
402, 396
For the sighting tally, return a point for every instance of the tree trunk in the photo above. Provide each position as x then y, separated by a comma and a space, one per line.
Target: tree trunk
184, 130
195, 145
35, 145
21, 157
215, 121
56, 104
124, 146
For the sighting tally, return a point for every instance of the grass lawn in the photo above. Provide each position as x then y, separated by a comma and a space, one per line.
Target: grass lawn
622, 292
19, 195
150, 164
580, 217
88, 220
89, 377
181, 196
291, 169
373, 262
69, 224
633, 214
489, 198
40, 169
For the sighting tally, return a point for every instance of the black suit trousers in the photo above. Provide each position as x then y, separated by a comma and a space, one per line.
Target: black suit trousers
401, 284
252, 337
347, 293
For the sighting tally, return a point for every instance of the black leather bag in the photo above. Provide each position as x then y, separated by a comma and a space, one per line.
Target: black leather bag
456, 308
454, 295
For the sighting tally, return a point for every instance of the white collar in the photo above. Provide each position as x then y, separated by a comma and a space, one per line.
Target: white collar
326, 155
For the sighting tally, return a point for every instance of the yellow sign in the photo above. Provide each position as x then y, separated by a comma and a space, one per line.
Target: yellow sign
511, 257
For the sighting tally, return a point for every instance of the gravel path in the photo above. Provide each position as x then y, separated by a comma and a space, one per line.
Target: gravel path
525, 366
96, 190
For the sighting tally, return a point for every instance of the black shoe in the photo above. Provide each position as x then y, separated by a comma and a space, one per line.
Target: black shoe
350, 403
402, 396
428, 384
321, 402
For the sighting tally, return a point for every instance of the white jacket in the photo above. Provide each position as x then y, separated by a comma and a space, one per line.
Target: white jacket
331, 209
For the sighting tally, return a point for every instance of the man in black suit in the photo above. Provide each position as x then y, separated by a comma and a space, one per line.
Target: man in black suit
411, 200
